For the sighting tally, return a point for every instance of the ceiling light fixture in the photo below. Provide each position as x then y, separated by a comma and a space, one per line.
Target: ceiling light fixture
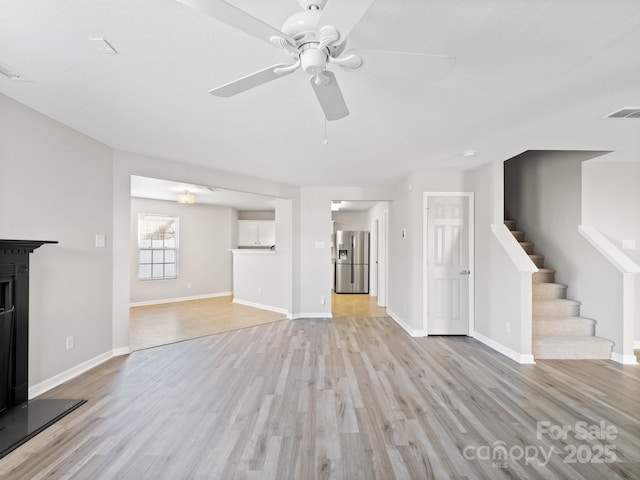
186, 197
469, 153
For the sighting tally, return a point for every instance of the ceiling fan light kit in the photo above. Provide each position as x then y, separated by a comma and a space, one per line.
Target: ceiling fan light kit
316, 37
186, 198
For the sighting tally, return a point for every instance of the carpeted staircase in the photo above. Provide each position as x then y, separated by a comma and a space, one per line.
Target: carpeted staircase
559, 332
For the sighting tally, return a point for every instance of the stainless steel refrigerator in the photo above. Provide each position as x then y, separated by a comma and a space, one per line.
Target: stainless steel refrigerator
351, 250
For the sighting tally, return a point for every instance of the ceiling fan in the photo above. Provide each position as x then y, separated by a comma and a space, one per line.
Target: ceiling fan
315, 37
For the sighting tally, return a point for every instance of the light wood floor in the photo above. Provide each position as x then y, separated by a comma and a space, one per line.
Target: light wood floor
355, 305
154, 325
348, 398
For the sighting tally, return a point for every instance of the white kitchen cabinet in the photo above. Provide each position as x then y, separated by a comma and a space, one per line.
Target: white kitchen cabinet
256, 233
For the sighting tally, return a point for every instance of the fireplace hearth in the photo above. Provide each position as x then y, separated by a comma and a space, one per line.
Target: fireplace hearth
20, 418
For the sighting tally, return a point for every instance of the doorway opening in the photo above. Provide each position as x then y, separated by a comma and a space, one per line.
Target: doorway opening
359, 258
200, 297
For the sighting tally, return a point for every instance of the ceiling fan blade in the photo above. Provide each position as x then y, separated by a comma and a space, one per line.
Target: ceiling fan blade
330, 97
343, 15
403, 64
249, 81
237, 18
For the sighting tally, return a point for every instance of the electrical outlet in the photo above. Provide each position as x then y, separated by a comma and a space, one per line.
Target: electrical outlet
259, 291
508, 327
188, 284
69, 343
322, 299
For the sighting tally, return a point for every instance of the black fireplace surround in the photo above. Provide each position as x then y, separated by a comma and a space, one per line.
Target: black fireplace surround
20, 418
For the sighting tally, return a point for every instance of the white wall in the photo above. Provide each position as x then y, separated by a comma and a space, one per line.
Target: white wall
378, 257
351, 221
260, 280
204, 261
314, 243
406, 289
256, 215
610, 200
55, 184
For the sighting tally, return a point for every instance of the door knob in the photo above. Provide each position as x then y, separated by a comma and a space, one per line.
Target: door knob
465, 272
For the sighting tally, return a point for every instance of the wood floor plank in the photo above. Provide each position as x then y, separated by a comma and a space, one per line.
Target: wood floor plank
348, 398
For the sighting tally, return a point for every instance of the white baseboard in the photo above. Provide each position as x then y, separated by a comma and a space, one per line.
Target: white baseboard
411, 331
180, 299
624, 359
261, 306
42, 387
525, 359
121, 351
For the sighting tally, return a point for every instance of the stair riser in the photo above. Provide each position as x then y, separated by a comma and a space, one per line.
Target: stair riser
549, 291
564, 328
544, 277
510, 224
527, 246
538, 260
518, 235
554, 352
544, 309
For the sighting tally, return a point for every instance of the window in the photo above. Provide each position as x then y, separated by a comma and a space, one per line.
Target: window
157, 247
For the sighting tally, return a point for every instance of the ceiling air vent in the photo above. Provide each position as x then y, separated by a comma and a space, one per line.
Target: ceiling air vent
627, 112
11, 74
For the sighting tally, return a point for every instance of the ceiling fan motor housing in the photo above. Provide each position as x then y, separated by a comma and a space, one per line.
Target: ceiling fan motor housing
313, 60
301, 25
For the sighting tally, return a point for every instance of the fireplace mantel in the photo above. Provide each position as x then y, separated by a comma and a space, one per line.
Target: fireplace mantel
22, 246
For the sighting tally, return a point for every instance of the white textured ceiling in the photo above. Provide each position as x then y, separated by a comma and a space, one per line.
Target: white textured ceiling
522, 67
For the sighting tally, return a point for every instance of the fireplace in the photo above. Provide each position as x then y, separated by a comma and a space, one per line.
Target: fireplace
20, 418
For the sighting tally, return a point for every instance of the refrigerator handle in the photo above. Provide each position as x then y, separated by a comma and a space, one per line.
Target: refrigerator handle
353, 252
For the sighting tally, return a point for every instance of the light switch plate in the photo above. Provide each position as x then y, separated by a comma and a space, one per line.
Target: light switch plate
101, 240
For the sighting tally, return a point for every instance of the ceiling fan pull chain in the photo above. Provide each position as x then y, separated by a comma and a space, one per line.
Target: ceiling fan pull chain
324, 140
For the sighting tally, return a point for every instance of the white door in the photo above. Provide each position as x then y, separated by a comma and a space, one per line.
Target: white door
448, 272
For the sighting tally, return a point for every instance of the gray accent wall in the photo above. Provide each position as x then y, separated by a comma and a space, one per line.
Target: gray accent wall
56, 184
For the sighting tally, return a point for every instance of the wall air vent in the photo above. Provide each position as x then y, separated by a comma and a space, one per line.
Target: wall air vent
627, 112
11, 74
